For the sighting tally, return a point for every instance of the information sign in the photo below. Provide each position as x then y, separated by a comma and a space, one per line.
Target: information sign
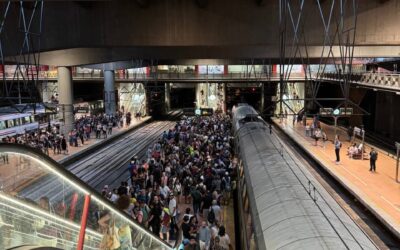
346, 111
325, 111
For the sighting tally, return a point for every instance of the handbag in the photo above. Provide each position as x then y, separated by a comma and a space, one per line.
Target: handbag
110, 239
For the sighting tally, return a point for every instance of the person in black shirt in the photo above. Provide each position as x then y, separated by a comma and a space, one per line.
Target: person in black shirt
186, 228
373, 156
155, 216
206, 203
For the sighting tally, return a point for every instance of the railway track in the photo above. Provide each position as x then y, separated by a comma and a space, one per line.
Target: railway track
107, 166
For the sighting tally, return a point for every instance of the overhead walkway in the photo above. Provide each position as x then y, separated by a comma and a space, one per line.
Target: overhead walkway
67, 222
378, 191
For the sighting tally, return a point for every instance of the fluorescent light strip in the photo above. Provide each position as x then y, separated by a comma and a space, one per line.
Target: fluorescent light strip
39, 211
6, 224
86, 192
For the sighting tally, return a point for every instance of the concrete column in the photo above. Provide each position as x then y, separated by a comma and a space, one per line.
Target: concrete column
262, 103
167, 97
109, 92
66, 98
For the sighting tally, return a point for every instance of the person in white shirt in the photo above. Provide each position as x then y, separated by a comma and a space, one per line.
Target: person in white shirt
164, 191
217, 211
114, 197
224, 241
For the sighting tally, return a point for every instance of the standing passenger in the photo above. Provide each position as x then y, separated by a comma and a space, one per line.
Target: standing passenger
338, 145
373, 156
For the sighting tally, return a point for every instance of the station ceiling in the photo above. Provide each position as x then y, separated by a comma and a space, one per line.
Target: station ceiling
174, 31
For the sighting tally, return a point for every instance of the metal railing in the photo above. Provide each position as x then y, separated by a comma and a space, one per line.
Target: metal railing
389, 81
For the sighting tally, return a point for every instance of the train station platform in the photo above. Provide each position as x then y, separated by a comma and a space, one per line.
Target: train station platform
92, 142
378, 191
16, 176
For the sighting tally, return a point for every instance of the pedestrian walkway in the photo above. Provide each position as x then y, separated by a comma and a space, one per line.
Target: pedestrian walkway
378, 190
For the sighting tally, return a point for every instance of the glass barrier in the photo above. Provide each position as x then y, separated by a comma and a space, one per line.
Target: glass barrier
41, 204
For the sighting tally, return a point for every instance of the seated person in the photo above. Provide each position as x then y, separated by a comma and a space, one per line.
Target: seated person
352, 150
360, 148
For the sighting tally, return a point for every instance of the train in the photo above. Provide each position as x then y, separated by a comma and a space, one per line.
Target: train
13, 123
280, 204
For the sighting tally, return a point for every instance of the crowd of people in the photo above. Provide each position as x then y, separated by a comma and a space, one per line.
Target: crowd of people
51, 139
182, 184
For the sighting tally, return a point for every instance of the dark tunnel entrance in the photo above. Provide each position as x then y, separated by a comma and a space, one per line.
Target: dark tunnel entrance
183, 97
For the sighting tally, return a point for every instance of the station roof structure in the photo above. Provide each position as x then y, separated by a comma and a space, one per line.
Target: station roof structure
95, 32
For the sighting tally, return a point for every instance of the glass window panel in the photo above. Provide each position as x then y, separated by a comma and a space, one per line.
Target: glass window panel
10, 123
41, 205
3, 125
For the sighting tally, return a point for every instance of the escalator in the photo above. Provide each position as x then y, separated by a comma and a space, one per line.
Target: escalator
69, 221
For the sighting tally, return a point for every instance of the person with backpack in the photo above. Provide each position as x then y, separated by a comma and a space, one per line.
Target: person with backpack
145, 210
196, 200
211, 215
226, 187
216, 210
373, 156
165, 223
206, 203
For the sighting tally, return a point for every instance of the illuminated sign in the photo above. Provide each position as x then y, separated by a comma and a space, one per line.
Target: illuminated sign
336, 112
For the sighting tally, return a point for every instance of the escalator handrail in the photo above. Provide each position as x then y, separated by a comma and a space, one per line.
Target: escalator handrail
39, 155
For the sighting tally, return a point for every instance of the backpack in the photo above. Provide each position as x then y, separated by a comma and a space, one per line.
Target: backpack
211, 215
166, 219
145, 211
228, 186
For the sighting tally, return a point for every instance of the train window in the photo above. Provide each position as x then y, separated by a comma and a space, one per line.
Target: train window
3, 125
17, 122
27, 119
10, 123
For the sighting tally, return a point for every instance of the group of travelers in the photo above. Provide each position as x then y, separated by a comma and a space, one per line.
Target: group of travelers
182, 183
84, 128
47, 140
354, 151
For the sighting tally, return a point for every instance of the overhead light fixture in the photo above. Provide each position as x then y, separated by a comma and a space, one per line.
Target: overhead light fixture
375, 89
397, 93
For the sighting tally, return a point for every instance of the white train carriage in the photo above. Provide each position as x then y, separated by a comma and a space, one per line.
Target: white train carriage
14, 124
19, 123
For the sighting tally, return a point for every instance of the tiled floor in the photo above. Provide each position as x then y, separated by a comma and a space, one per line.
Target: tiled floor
377, 190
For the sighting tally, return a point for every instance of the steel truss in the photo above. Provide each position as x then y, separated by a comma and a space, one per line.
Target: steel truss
22, 19
336, 32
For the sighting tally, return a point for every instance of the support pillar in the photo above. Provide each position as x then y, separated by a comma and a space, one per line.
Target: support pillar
167, 97
262, 103
66, 99
109, 92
